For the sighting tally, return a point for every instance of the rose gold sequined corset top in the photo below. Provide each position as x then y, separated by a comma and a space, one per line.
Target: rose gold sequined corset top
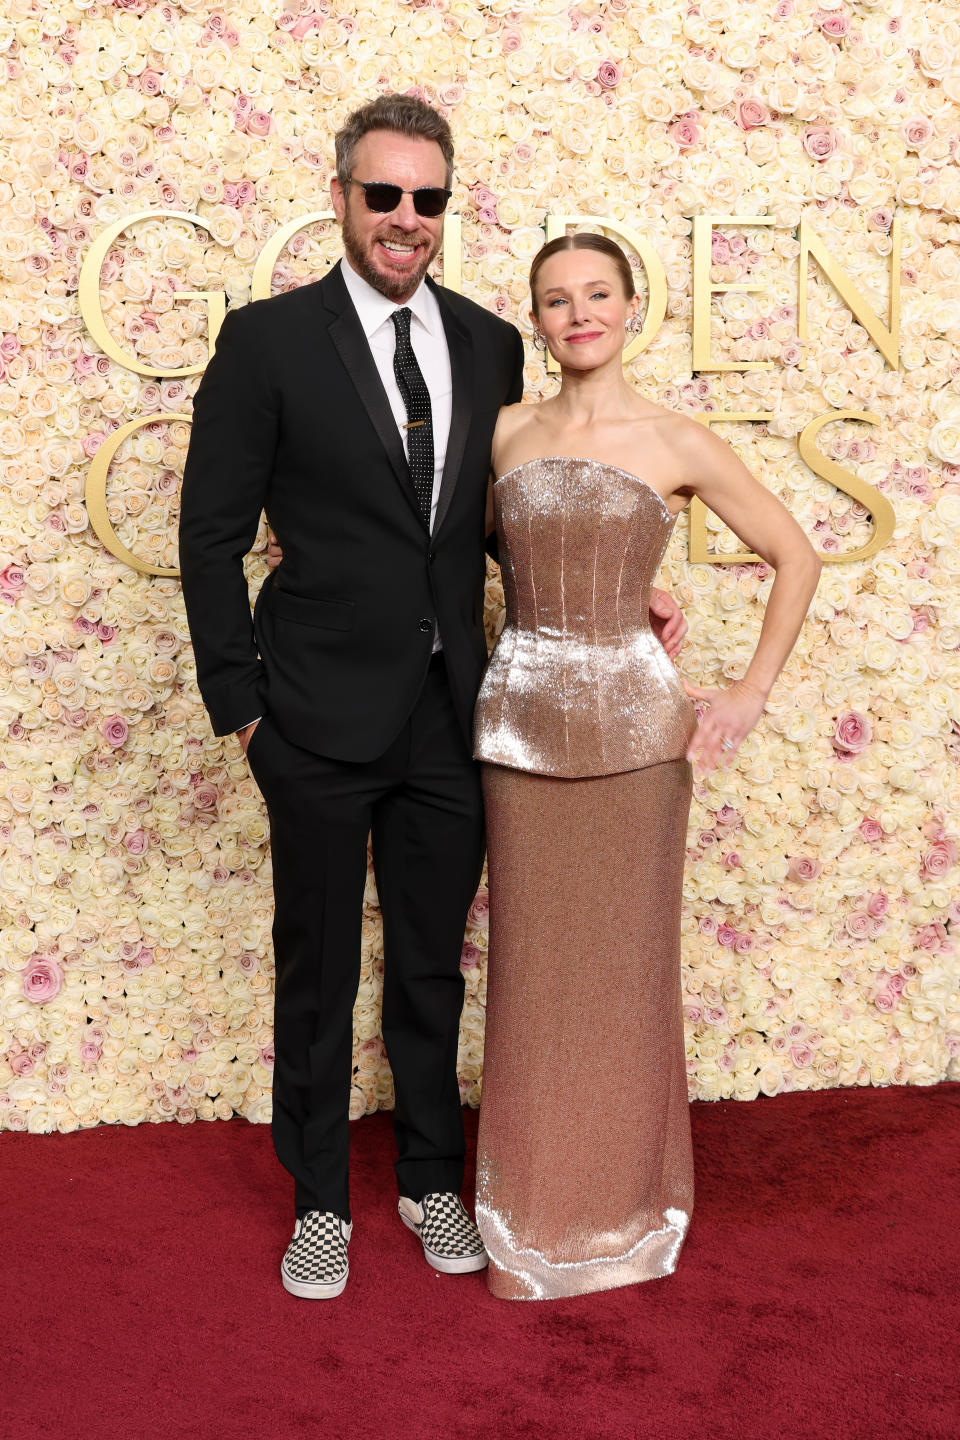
578, 683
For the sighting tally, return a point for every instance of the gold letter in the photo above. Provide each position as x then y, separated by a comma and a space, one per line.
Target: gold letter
92, 311
270, 254
452, 253
95, 494
656, 279
703, 289
867, 495
886, 338
697, 552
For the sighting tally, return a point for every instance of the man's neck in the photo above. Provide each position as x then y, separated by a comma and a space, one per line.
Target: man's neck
369, 280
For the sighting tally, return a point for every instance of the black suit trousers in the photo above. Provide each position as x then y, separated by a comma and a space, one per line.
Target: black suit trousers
421, 800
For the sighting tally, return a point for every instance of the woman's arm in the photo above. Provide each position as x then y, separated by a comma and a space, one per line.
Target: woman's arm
722, 481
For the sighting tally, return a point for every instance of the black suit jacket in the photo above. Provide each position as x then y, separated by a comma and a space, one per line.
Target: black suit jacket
291, 416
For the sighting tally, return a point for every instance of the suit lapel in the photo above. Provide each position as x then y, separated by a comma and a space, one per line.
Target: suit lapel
460, 347
351, 344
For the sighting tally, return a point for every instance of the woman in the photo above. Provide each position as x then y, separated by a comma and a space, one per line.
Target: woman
584, 1164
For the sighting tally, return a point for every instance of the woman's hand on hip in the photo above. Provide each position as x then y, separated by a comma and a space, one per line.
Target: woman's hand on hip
730, 716
667, 621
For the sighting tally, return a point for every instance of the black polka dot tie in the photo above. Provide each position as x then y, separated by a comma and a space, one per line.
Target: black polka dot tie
419, 426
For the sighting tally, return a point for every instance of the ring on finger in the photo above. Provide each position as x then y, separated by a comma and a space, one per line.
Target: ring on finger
726, 743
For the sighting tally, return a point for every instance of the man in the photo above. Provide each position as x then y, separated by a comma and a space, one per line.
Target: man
358, 411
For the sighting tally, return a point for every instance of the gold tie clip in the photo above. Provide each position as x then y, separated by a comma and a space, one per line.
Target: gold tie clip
412, 424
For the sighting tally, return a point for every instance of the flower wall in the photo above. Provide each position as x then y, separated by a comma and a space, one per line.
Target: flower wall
135, 960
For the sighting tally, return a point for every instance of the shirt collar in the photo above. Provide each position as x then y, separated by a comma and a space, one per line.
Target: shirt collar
375, 309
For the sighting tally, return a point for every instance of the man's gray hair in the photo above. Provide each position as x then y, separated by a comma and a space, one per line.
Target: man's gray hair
404, 115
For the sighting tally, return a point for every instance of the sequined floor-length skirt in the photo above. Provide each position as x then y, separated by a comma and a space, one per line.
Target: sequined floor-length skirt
584, 1160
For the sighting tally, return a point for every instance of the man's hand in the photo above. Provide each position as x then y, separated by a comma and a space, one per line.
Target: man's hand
667, 622
274, 553
246, 734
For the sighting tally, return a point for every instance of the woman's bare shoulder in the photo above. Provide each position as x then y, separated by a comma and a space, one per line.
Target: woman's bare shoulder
512, 423
511, 418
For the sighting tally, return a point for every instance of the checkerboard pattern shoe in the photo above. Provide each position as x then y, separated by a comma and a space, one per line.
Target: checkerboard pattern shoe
315, 1265
451, 1242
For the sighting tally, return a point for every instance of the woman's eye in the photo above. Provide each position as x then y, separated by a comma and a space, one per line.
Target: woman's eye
599, 295
553, 303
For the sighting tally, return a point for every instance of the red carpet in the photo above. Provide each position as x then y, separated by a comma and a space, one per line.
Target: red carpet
817, 1296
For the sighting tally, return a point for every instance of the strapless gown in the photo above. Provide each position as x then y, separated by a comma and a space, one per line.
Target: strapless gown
584, 1161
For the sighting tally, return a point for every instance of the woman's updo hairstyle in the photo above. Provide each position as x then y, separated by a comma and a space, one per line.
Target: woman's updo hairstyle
585, 240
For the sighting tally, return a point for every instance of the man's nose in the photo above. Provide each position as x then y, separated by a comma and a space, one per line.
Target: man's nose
405, 216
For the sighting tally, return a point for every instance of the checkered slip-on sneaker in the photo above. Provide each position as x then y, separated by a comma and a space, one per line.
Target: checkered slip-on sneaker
315, 1266
451, 1242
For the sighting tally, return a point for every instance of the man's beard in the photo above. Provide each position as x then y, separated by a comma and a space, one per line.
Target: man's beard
395, 287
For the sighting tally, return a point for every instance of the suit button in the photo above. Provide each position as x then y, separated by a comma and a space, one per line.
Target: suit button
432, 556
425, 625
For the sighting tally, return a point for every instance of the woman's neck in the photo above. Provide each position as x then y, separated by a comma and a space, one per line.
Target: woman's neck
587, 397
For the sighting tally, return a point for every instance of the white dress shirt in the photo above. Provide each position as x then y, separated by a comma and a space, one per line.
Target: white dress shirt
430, 347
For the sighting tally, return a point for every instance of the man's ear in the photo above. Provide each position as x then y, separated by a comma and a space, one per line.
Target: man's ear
338, 198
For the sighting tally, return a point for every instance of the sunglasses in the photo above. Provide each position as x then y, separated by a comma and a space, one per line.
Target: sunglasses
429, 201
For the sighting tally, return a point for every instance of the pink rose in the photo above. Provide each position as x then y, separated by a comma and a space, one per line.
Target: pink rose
821, 141
479, 913
917, 132
42, 979
877, 905
469, 955
136, 842
258, 123
940, 858
751, 114
859, 924
707, 924
13, 577
685, 133
609, 74
115, 731
834, 26
305, 24
885, 1001
89, 1052
23, 1064
743, 944
804, 868
267, 1055
871, 830
852, 733
732, 860
932, 938
511, 40
726, 935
